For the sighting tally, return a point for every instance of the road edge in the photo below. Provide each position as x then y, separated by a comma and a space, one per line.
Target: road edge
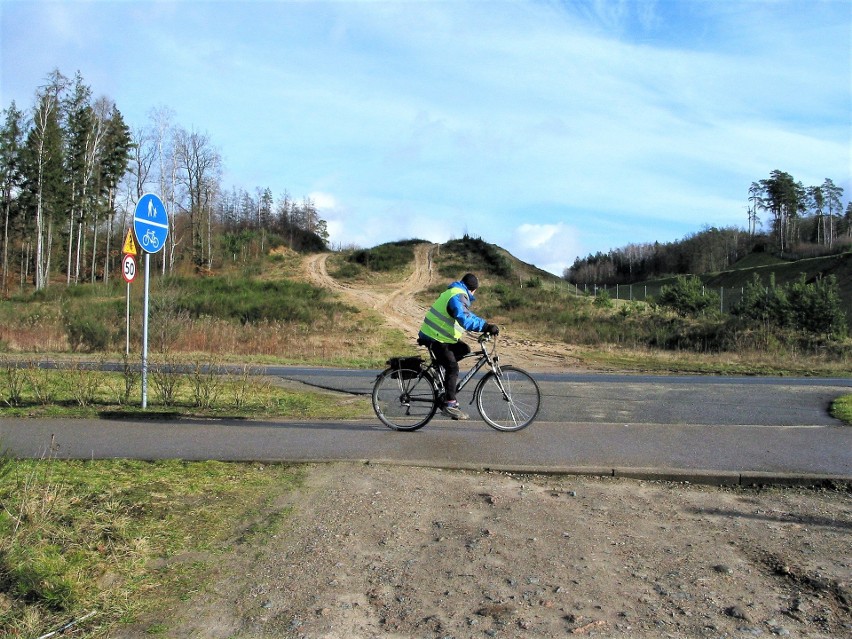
675, 475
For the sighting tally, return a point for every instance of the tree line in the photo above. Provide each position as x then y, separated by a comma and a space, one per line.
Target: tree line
784, 217
711, 249
791, 206
72, 170
60, 166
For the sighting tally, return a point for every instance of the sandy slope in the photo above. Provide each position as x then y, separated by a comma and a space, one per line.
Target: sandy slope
397, 552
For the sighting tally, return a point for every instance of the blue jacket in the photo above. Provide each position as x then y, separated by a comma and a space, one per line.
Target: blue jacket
459, 309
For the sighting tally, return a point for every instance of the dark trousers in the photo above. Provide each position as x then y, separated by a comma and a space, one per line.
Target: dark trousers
448, 356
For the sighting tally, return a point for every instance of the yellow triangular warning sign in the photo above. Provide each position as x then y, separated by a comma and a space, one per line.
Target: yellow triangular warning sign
129, 244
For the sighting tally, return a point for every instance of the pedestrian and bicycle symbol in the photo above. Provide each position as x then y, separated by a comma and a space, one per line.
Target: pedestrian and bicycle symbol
151, 223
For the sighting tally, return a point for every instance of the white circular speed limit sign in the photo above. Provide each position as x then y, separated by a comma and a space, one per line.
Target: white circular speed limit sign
128, 268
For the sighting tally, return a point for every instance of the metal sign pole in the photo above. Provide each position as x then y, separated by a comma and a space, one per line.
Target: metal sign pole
127, 324
128, 271
151, 227
145, 332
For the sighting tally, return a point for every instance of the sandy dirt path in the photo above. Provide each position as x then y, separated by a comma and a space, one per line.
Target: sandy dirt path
395, 302
399, 552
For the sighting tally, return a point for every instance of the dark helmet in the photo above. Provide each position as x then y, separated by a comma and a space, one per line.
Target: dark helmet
471, 281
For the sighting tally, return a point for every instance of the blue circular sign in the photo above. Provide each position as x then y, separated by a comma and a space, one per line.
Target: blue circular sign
151, 223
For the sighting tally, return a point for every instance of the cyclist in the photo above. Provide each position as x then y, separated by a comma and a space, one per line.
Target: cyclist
442, 329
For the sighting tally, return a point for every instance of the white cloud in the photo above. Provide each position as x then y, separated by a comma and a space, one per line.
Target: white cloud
548, 246
325, 202
533, 236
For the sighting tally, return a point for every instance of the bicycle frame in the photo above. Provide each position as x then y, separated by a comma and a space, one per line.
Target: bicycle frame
484, 358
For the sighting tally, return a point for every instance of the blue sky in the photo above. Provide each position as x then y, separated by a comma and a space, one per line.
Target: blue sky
553, 128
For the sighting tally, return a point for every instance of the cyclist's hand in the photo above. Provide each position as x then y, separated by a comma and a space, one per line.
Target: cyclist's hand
491, 329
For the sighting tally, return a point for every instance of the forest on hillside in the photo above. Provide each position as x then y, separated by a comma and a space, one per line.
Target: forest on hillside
72, 170
785, 219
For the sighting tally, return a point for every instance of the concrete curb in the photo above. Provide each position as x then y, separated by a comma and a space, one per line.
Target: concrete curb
687, 476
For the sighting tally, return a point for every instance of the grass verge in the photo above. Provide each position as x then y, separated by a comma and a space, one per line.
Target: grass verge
188, 391
121, 537
841, 409
644, 360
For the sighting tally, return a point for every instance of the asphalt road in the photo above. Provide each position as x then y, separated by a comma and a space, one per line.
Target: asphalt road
708, 429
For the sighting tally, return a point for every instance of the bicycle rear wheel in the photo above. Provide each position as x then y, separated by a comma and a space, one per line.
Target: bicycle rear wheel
404, 399
508, 401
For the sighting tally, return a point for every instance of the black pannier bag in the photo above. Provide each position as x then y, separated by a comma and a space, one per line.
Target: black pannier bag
410, 366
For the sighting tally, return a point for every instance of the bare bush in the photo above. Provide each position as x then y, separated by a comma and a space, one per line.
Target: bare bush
206, 383
40, 383
85, 383
167, 379
130, 375
242, 386
13, 382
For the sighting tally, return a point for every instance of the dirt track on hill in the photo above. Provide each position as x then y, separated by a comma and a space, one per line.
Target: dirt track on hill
398, 305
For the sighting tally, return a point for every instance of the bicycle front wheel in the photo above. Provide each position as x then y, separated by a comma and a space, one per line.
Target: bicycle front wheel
509, 400
404, 399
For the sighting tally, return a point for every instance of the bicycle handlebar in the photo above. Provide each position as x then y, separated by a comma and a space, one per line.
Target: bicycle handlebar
485, 337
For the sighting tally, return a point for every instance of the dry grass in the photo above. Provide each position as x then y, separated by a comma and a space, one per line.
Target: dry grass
353, 340
197, 389
46, 337
743, 362
358, 340
610, 338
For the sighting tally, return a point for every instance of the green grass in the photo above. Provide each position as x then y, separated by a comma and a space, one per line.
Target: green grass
754, 260
470, 254
785, 272
108, 536
382, 265
842, 409
91, 317
640, 331
385, 257
251, 300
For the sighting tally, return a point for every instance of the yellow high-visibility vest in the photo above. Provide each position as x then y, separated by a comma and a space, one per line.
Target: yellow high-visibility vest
439, 324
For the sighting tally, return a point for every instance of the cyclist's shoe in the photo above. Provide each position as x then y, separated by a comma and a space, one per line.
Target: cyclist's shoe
451, 409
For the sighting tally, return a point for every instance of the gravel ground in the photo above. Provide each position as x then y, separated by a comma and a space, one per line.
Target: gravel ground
403, 552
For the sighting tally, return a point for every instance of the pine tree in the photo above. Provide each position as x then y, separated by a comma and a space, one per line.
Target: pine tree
832, 195
44, 173
11, 177
784, 197
81, 147
114, 160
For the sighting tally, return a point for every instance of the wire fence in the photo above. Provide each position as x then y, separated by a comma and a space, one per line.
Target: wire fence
729, 296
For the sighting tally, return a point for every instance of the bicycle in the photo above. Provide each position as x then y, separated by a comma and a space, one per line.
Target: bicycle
407, 394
